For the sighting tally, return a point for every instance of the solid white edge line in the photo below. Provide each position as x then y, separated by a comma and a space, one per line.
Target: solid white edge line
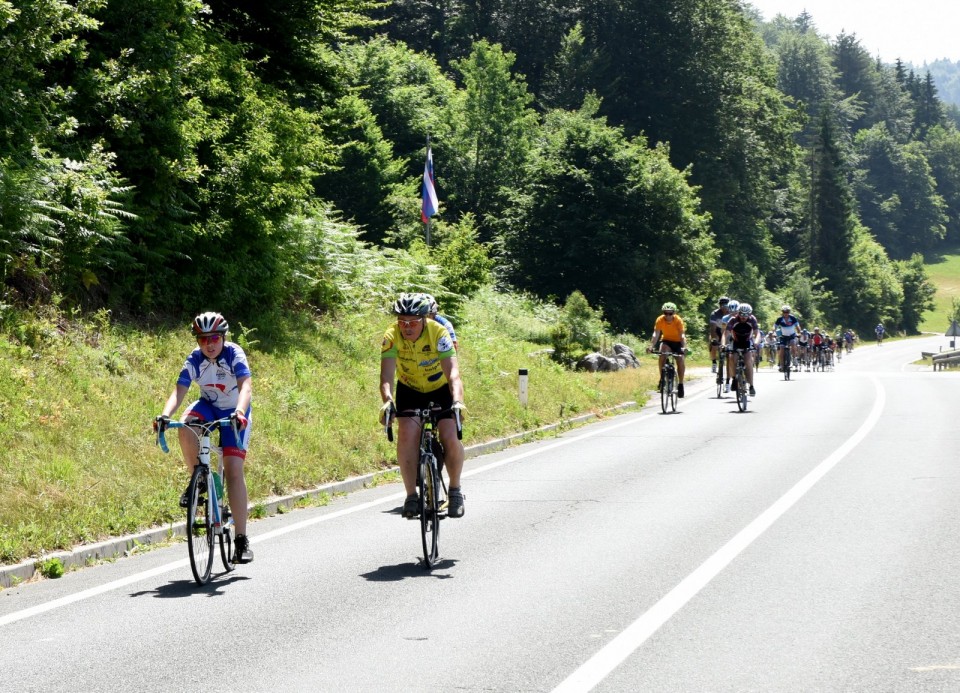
599, 666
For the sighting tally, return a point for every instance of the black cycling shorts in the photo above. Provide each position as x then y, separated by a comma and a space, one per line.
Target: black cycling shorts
408, 398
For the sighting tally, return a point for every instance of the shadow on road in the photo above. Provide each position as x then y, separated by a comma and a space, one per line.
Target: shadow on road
402, 571
189, 588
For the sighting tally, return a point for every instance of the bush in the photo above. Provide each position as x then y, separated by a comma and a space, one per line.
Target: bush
578, 331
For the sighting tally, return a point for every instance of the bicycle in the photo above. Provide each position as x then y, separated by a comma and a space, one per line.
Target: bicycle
787, 349
431, 487
668, 382
720, 361
208, 513
741, 380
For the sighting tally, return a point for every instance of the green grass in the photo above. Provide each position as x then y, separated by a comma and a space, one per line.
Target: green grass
78, 460
944, 273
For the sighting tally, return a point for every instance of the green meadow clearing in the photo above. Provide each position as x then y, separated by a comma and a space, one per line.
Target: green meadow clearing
944, 272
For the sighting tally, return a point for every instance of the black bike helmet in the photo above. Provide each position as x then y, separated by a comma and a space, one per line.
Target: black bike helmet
210, 323
412, 304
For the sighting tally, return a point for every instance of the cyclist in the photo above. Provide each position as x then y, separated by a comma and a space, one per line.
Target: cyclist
732, 307
715, 331
741, 333
879, 331
817, 342
770, 345
789, 328
434, 314
669, 335
221, 370
848, 340
428, 372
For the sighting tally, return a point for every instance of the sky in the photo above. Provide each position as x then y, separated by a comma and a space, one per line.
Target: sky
916, 31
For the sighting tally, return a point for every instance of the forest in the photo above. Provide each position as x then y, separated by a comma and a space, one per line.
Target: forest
257, 157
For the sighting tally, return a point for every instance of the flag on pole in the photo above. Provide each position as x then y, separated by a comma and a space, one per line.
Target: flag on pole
430, 202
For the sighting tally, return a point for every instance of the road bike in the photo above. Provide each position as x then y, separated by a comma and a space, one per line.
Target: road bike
431, 487
208, 512
740, 380
819, 359
668, 382
721, 360
770, 350
787, 349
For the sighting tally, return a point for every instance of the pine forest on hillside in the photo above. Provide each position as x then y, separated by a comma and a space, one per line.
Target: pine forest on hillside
265, 155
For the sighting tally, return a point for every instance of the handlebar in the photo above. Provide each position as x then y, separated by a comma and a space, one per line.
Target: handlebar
207, 427
433, 413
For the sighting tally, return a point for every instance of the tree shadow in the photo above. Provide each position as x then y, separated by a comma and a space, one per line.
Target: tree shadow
404, 571
179, 589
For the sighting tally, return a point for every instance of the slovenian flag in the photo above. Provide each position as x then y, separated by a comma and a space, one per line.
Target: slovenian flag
430, 202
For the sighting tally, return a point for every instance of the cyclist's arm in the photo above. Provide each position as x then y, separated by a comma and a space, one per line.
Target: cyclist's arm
245, 385
175, 400
388, 371
655, 339
451, 369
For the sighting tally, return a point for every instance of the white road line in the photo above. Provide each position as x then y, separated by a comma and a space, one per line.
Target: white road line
598, 667
92, 592
392, 498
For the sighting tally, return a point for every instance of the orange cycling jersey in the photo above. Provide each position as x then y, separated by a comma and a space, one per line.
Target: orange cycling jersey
670, 331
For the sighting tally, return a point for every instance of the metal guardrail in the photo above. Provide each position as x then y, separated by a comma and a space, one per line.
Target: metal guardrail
943, 359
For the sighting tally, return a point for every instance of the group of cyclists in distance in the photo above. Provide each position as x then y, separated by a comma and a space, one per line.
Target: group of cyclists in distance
732, 327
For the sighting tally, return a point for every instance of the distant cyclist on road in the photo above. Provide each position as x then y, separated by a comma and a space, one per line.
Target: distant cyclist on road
880, 332
715, 331
742, 333
428, 372
789, 328
220, 369
669, 335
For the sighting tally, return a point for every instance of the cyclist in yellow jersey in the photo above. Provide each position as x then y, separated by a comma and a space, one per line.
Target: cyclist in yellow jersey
670, 333
418, 352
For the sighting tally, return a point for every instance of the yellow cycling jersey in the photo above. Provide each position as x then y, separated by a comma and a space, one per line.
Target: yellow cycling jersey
418, 363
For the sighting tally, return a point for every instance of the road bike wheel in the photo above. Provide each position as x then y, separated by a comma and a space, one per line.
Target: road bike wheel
429, 513
665, 382
720, 375
226, 548
786, 364
741, 393
226, 538
672, 392
199, 526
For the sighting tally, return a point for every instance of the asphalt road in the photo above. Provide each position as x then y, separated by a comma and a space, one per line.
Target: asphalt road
808, 544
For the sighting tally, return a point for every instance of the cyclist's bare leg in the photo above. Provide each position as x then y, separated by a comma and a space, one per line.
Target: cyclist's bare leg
408, 445
681, 368
452, 450
236, 491
189, 446
748, 362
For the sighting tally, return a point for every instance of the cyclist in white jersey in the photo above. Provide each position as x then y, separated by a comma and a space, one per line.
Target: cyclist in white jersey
220, 369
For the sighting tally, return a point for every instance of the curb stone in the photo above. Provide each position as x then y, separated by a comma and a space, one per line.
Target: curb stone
89, 554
